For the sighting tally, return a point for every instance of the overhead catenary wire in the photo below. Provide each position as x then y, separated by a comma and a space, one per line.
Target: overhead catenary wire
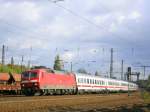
75, 14
90, 22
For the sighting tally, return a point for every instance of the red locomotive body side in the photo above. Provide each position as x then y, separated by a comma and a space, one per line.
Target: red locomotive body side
57, 81
47, 82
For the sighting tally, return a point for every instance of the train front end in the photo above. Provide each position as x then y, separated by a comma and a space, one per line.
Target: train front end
30, 82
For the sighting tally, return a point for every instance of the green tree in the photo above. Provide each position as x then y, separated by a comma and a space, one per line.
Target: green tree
82, 70
58, 64
96, 73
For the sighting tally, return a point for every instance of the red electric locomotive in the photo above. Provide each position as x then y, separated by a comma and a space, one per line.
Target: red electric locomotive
46, 81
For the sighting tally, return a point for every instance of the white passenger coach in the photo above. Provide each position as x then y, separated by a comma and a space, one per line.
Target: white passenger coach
91, 83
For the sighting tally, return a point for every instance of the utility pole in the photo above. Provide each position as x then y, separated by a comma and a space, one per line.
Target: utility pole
29, 61
22, 58
122, 62
12, 61
28, 64
129, 79
111, 63
71, 66
3, 55
144, 68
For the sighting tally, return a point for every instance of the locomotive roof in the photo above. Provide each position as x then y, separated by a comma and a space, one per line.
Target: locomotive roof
48, 70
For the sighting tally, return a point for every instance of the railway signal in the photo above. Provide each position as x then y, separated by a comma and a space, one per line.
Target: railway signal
128, 78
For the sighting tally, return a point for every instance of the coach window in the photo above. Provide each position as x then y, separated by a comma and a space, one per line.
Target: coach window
84, 80
93, 81
78, 80
88, 81
81, 80
101, 82
123, 84
98, 82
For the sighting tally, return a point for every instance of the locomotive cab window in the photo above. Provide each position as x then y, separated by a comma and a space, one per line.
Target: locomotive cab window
29, 75
33, 75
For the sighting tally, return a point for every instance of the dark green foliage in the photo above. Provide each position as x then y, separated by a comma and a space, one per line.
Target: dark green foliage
82, 70
58, 64
144, 84
96, 73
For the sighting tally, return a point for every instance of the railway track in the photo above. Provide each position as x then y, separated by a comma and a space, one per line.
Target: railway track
19, 104
22, 98
45, 99
14, 98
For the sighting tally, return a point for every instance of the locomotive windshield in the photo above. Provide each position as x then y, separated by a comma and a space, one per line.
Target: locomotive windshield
29, 75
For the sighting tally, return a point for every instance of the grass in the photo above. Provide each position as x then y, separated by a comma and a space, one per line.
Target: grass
146, 97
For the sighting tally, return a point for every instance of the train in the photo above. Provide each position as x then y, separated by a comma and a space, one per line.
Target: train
10, 83
52, 82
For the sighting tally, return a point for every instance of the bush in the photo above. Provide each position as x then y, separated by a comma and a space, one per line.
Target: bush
12, 68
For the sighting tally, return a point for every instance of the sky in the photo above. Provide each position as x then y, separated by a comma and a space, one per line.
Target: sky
80, 31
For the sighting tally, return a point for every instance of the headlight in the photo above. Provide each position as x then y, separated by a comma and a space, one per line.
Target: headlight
35, 84
22, 85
